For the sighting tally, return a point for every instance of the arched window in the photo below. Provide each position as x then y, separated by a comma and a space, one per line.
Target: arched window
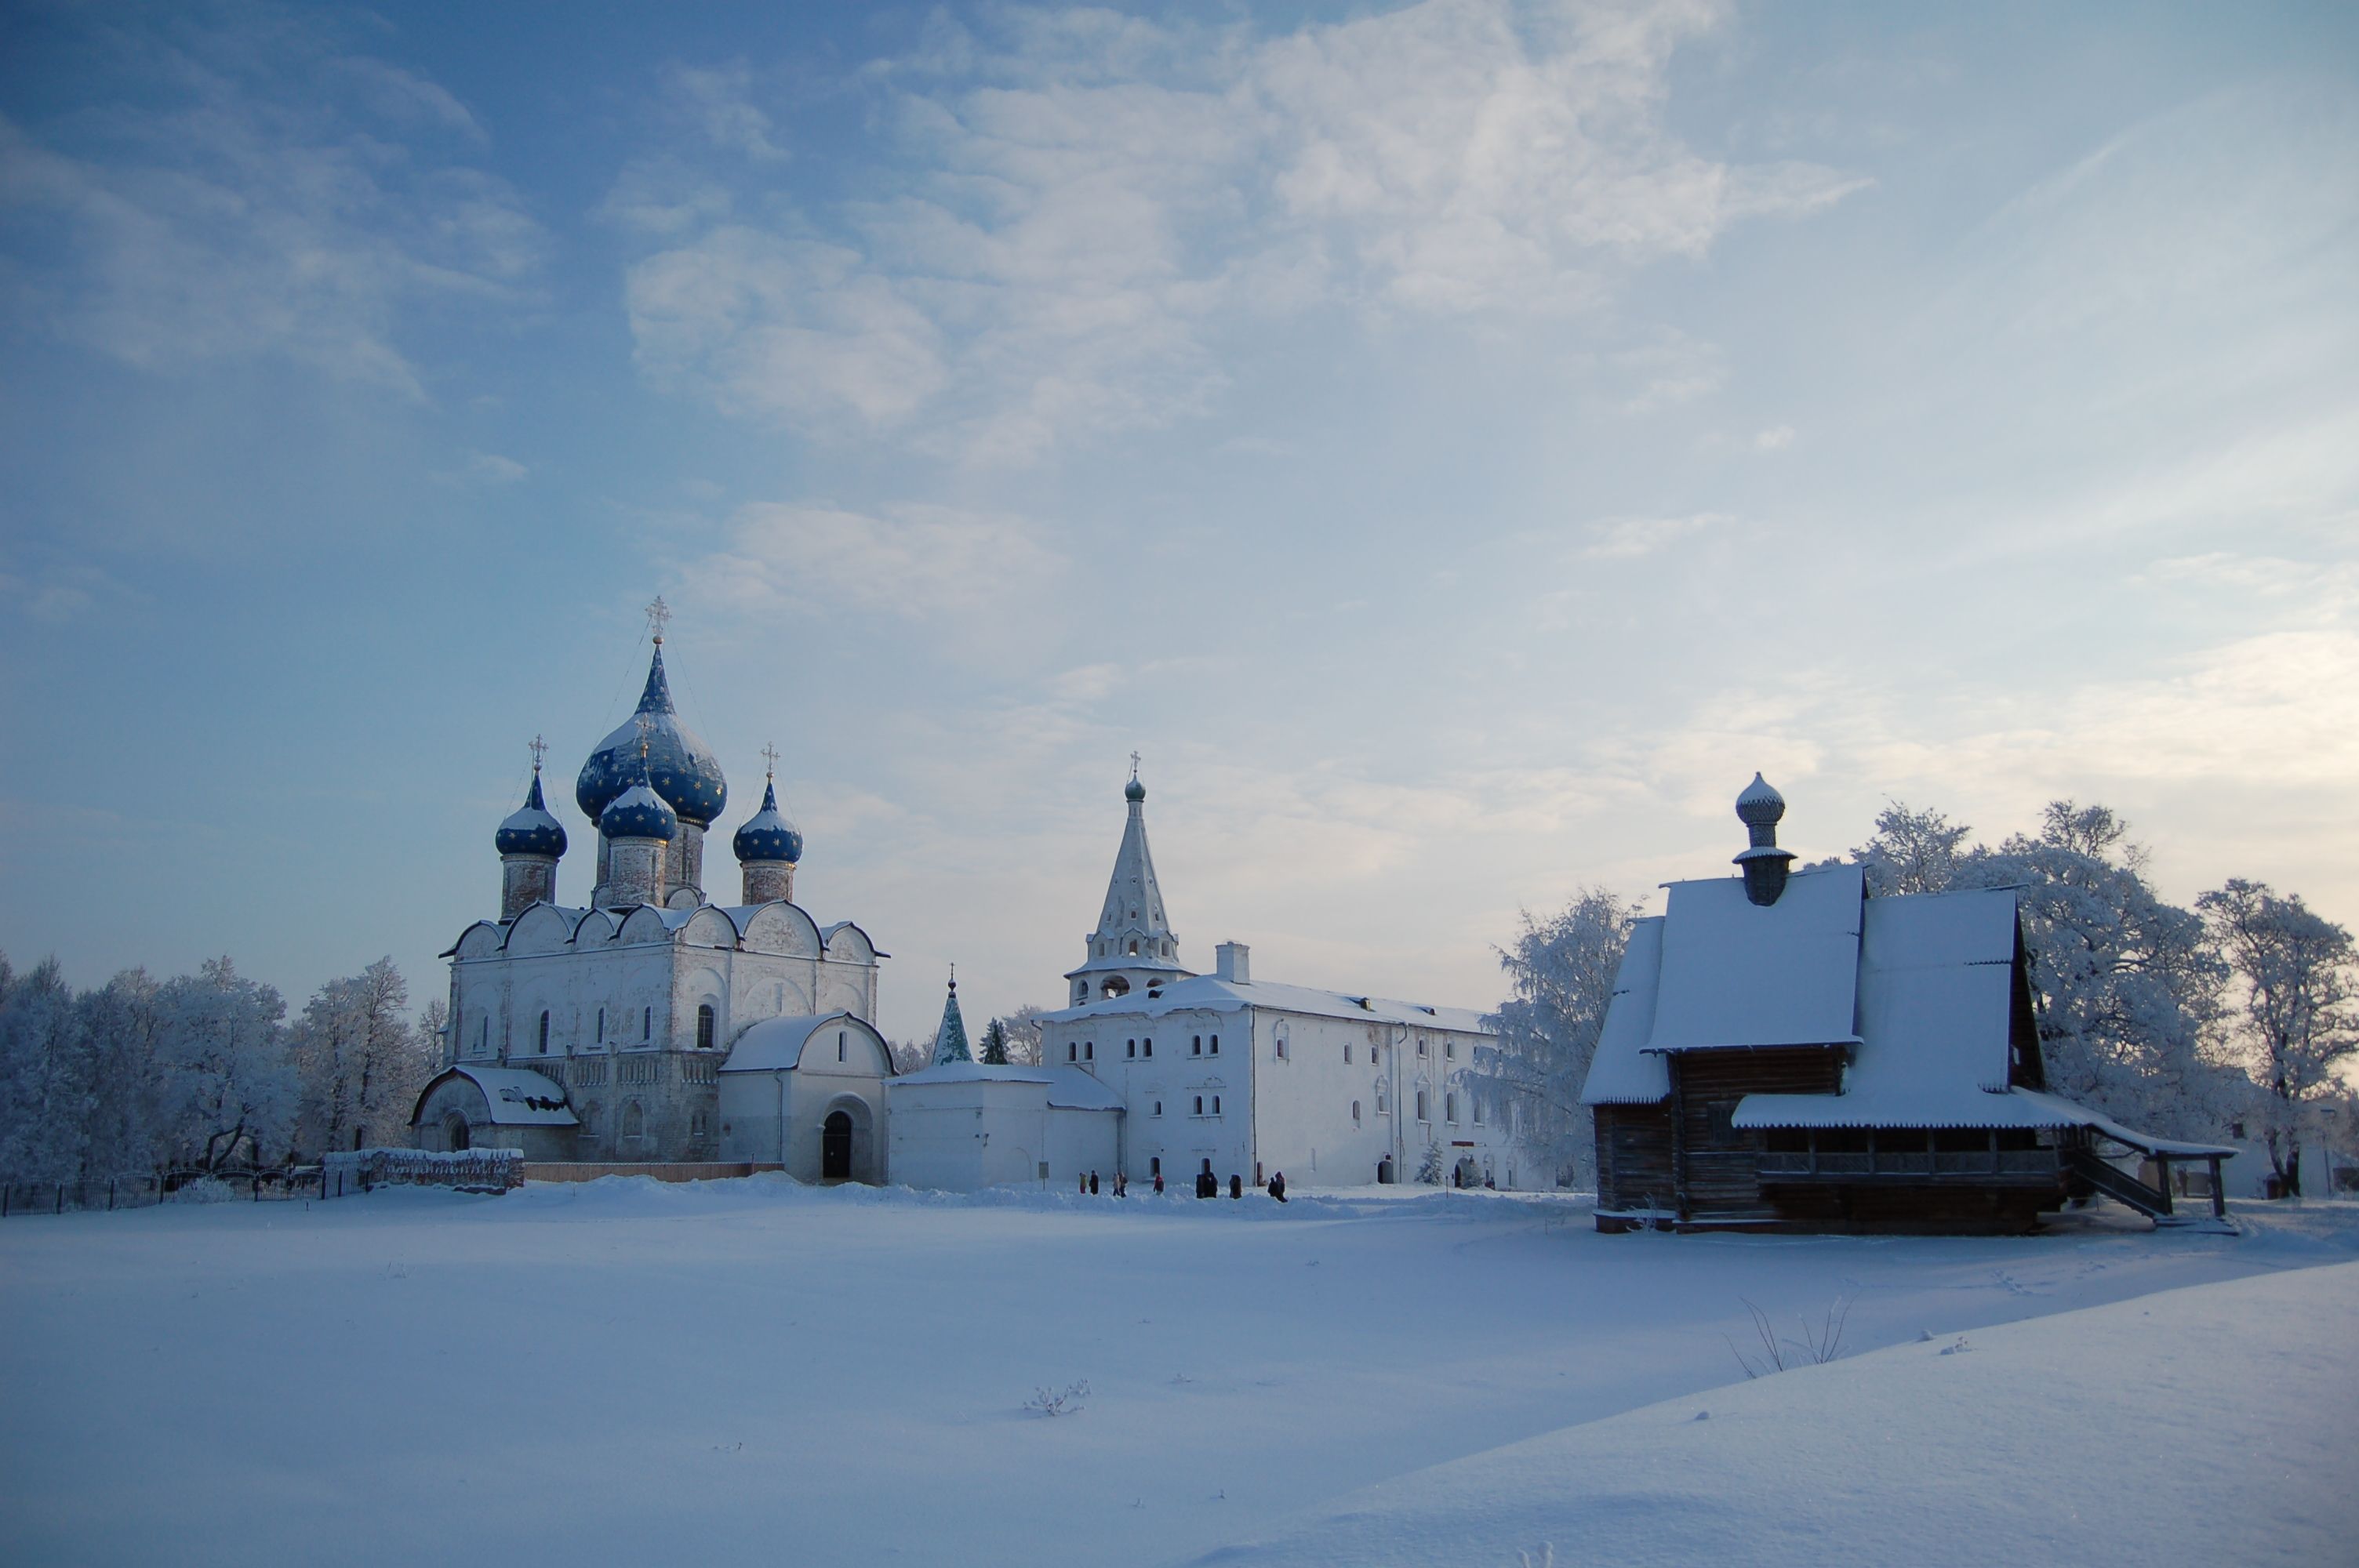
646, 1024
1216, 1104
1080, 990
544, 1033
1450, 1107
698, 1127
1114, 987
1355, 1113
1134, 946
1089, 1050
634, 1122
1216, 1049
1450, 1050
1072, 1051
1421, 1108
1146, 1047
601, 1026
1347, 1055
1200, 1105
589, 1120
704, 1026
1281, 1045
1478, 1111
1159, 1108
842, 1044
1384, 1101
1130, 1050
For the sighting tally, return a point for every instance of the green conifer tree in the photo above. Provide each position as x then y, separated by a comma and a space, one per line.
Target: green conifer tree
994, 1044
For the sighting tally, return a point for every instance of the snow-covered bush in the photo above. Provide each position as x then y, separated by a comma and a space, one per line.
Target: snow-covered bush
469, 1170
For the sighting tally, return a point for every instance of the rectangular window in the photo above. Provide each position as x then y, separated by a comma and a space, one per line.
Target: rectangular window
1478, 1111
648, 1024
842, 1044
1159, 1108
1450, 1050
1347, 1055
1420, 1045
1449, 1107
601, 1026
1423, 1114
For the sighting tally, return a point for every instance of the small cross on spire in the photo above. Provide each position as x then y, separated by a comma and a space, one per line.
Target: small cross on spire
770, 754
658, 617
538, 747
1134, 764
953, 977
647, 728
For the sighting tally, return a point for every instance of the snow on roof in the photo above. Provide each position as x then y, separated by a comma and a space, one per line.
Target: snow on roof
1068, 1088
1073, 1089
776, 1044
519, 1097
1623, 1072
2016, 1108
1209, 993
1737, 973
1127, 961
972, 1073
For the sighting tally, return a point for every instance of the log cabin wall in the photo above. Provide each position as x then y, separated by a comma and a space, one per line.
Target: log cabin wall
1634, 1157
1718, 1164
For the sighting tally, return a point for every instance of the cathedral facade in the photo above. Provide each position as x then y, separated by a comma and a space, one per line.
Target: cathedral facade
605, 1032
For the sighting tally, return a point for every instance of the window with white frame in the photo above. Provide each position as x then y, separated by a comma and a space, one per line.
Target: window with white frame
1146, 1047
1450, 1050
1089, 1050
1195, 1044
1130, 1050
1384, 1101
1423, 1113
1072, 1051
1450, 1107
1420, 1045
1214, 1048
1216, 1104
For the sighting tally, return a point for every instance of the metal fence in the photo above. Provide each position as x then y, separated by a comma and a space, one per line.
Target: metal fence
22, 1198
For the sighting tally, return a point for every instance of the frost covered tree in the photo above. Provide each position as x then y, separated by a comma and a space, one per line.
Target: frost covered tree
994, 1044
129, 1117
233, 1083
1429, 1169
1023, 1027
359, 1061
2126, 986
2299, 1006
910, 1056
1560, 971
46, 1087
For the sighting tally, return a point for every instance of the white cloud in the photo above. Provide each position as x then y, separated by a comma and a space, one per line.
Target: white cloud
1089, 194
493, 468
1625, 538
910, 561
719, 102
247, 215
663, 195
1776, 438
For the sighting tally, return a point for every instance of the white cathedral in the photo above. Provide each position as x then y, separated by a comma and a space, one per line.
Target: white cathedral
655, 1027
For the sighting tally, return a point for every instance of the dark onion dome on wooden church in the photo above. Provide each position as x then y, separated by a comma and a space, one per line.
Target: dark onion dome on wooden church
767, 835
680, 766
530, 829
639, 812
1760, 807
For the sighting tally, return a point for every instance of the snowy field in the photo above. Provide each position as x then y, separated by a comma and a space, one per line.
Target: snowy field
755, 1372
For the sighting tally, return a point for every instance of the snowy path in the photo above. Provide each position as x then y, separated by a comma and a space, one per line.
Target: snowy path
755, 1372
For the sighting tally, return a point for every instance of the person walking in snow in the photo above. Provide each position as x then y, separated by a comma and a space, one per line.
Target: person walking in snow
1082, 1183
1277, 1186
1093, 1183
1236, 1185
1158, 1180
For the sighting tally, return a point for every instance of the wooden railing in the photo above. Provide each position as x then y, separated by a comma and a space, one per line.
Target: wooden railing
1965, 1165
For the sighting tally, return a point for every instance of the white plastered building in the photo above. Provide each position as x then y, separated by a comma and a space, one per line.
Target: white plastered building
1239, 1077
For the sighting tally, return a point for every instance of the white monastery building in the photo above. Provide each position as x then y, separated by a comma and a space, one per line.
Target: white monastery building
654, 1026
1225, 1074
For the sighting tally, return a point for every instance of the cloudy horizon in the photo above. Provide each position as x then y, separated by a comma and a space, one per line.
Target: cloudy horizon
1456, 444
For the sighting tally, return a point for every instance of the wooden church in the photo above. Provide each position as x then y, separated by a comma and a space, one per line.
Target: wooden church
1785, 1052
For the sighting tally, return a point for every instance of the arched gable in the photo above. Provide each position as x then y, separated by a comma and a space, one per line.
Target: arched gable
595, 928
540, 929
781, 928
708, 927
480, 940
819, 1045
847, 944
644, 924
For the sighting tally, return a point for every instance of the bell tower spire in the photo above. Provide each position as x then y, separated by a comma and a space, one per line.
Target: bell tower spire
1133, 944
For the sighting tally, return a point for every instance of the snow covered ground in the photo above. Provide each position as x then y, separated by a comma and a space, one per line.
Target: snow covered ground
753, 1371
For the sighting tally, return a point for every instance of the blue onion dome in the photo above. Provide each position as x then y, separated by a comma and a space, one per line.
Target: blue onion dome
530, 829
680, 767
767, 835
1133, 790
1760, 805
639, 812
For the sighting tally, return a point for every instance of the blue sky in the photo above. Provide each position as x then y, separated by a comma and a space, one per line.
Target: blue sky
1456, 444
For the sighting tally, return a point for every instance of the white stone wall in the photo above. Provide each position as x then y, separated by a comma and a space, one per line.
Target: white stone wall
1289, 1112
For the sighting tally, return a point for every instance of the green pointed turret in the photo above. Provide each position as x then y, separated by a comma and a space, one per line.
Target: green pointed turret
949, 1041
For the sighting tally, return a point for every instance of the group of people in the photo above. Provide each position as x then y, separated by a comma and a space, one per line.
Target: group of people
1208, 1186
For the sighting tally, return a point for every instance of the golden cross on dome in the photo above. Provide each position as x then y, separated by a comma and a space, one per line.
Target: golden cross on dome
770, 754
538, 747
647, 727
658, 617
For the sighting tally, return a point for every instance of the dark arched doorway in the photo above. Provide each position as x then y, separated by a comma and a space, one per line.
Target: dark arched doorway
835, 1147
455, 1132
